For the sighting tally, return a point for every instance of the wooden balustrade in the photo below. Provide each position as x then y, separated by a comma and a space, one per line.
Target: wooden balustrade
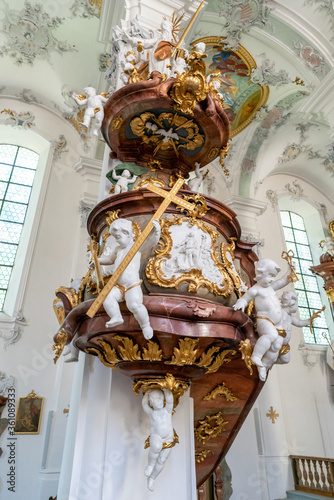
314, 475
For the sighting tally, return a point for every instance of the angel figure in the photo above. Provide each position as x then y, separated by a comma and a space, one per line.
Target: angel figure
195, 183
94, 108
158, 405
123, 181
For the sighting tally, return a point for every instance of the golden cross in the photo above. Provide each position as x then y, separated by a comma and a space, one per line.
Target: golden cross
169, 197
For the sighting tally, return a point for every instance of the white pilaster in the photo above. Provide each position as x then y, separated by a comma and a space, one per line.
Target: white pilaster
248, 210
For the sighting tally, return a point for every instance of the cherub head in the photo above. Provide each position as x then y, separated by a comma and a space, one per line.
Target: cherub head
126, 173
89, 91
265, 272
156, 399
122, 231
289, 302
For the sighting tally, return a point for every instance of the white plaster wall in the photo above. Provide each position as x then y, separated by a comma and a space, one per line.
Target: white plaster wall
54, 254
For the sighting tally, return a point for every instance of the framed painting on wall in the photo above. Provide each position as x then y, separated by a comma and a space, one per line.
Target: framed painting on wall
28, 415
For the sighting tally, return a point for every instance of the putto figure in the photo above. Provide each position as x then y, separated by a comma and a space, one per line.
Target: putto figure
158, 405
94, 103
123, 181
268, 309
128, 287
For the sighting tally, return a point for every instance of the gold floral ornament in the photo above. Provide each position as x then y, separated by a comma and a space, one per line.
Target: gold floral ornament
227, 253
210, 427
220, 390
246, 352
154, 165
200, 206
176, 387
200, 456
193, 260
167, 131
191, 86
222, 155
59, 345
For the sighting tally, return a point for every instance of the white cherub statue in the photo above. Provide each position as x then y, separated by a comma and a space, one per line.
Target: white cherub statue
158, 404
94, 108
268, 309
123, 181
195, 183
128, 287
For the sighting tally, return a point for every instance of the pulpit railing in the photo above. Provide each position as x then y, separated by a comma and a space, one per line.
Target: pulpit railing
313, 475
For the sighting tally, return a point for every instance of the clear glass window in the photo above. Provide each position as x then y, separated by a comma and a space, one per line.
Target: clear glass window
17, 171
307, 287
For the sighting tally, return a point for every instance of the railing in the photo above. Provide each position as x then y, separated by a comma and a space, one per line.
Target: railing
212, 489
314, 475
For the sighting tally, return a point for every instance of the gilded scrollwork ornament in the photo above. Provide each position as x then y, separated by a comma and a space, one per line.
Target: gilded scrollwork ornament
246, 352
210, 427
175, 386
200, 456
59, 345
187, 254
220, 390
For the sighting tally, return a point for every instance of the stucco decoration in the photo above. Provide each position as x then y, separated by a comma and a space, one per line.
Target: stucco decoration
330, 151
104, 61
293, 150
325, 6
27, 96
12, 336
323, 211
23, 119
6, 382
84, 209
311, 57
295, 190
30, 34
86, 8
59, 147
265, 74
273, 198
242, 15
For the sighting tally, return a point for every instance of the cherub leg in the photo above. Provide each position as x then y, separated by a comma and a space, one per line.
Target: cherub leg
155, 449
268, 335
163, 455
134, 302
112, 308
89, 113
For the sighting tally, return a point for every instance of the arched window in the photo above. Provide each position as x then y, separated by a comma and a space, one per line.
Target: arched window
17, 171
307, 287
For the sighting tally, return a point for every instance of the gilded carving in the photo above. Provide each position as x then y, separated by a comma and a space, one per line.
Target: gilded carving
107, 354
220, 359
200, 206
70, 294
246, 352
153, 352
272, 414
59, 310
227, 253
187, 254
129, 351
185, 354
200, 456
176, 387
191, 86
59, 345
167, 131
210, 427
116, 123
220, 390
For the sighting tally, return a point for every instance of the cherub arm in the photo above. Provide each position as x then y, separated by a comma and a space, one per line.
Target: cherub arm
115, 176
81, 102
155, 237
134, 177
300, 322
246, 298
146, 407
282, 281
169, 400
106, 258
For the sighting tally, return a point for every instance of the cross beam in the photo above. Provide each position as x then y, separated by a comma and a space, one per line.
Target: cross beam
169, 197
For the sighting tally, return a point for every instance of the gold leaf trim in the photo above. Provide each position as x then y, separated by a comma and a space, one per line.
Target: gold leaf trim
194, 277
221, 390
185, 354
210, 427
59, 345
246, 351
129, 351
153, 352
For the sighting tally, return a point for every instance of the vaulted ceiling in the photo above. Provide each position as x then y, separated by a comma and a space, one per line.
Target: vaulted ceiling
51, 49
